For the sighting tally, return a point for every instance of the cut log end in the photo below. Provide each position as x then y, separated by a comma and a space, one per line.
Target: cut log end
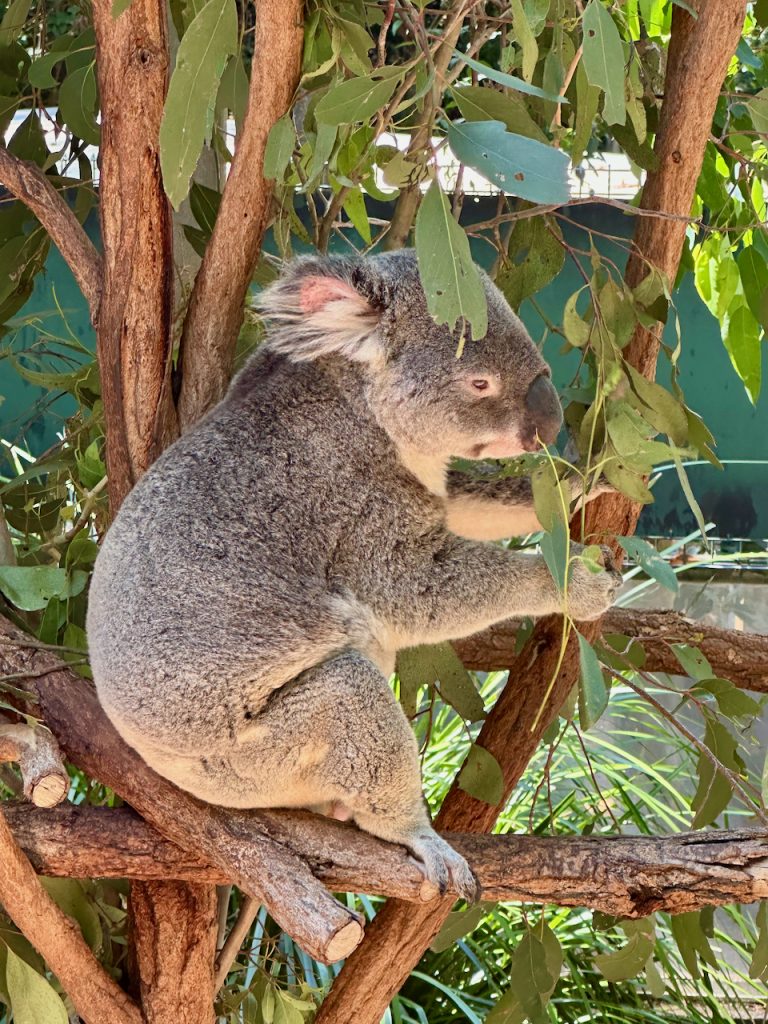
346, 939
49, 790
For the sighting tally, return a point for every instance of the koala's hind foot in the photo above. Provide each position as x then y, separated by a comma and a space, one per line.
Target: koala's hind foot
336, 737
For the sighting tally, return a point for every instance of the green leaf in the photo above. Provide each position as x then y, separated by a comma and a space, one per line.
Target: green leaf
481, 776
68, 894
524, 37
625, 480
648, 558
189, 106
577, 330
759, 965
517, 165
33, 1000
691, 941
477, 103
30, 587
732, 702
509, 80
457, 925
554, 548
534, 973
604, 60
233, 90
587, 100
593, 693
741, 336
118, 6
354, 206
535, 258
758, 108
450, 279
693, 662
40, 70
551, 497
754, 279
14, 20
279, 148
425, 665
358, 98
78, 101
659, 406
713, 792
631, 959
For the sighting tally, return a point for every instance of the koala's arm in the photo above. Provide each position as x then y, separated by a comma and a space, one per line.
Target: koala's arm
496, 509
466, 586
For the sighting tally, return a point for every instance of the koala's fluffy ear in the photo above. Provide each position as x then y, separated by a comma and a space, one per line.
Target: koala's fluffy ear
318, 311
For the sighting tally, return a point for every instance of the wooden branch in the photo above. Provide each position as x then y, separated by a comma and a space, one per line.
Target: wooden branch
133, 339
733, 654
37, 754
173, 927
629, 876
33, 188
246, 847
216, 305
700, 49
57, 938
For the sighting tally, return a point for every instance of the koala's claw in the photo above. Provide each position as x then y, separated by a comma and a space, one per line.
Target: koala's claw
592, 594
441, 866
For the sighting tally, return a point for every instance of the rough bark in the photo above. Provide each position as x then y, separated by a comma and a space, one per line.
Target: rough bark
133, 339
629, 876
57, 938
216, 305
241, 844
33, 188
174, 948
700, 50
733, 654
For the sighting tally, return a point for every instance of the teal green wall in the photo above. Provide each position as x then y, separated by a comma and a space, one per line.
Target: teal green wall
736, 498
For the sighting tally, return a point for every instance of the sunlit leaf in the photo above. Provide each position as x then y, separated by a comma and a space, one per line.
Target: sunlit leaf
481, 776
604, 60
33, 1000
648, 558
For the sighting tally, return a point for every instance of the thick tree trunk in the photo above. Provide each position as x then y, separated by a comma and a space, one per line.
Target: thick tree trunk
174, 948
700, 49
133, 338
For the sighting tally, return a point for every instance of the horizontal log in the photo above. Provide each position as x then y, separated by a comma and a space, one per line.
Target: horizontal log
629, 876
740, 657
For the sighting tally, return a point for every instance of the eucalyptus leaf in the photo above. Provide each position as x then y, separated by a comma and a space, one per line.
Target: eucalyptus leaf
78, 101
535, 257
554, 548
604, 60
510, 81
205, 47
648, 558
458, 924
628, 961
33, 999
356, 99
279, 148
692, 942
481, 103
30, 587
741, 336
693, 661
481, 776
451, 281
714, 789
517, 165
593, 693
754, 279
525, 38
69, 896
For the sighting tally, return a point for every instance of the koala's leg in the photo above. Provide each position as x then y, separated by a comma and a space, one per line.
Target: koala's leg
337, 736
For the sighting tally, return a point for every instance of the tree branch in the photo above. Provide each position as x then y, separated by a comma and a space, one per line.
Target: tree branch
133, 339
733, 654
216, 305
31, 187
57, 938
628, 876
700, 49
246, 847
39, 759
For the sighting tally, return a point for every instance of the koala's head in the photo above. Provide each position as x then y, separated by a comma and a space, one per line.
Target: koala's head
495, 401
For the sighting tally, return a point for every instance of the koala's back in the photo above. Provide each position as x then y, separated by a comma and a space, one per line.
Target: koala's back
217, 567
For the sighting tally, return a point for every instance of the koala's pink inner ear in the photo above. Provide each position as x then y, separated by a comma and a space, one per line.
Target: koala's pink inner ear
317, 292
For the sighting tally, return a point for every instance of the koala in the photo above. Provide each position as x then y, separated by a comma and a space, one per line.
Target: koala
250, 597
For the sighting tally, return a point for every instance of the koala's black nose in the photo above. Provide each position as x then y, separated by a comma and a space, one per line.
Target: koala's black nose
544, 411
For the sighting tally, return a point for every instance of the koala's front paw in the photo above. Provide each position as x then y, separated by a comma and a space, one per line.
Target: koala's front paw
441, 865
591, 594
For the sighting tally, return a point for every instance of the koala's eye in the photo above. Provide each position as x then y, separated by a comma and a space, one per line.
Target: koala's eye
482, 386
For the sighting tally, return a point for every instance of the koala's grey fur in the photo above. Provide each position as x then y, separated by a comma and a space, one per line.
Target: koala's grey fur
249, 599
